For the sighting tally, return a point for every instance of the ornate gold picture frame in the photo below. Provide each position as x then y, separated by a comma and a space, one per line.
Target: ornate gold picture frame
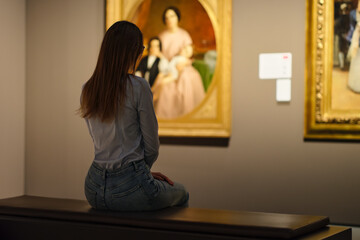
212, 116
332, 107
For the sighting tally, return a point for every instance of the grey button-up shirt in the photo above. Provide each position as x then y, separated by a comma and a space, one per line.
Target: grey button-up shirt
133, 135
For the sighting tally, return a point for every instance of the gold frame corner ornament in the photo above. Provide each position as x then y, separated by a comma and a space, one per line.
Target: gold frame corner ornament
212, 118
321, 120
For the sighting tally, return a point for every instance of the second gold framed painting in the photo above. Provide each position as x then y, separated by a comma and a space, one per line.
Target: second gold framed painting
332, 107
187, 62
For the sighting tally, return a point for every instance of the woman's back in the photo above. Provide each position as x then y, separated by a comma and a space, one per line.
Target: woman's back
132, 135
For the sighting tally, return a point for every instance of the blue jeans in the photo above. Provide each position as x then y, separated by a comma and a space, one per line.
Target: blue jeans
131, 188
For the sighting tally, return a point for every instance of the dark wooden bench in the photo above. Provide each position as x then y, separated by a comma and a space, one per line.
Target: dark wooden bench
30, 217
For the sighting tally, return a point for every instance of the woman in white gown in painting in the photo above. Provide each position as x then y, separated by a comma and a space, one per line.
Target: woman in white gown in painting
180, 95
354, 56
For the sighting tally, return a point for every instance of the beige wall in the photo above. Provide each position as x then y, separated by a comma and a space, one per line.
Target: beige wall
267, 166
63, 39
12, 97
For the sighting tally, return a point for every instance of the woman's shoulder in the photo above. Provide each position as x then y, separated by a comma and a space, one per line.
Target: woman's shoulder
185, 35
139, 82
164, 35
184, 32
139, 88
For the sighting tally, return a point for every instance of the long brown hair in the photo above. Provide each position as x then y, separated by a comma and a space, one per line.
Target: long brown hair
105, 92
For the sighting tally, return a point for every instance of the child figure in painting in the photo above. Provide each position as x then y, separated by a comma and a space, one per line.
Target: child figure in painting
178, 63
153, 63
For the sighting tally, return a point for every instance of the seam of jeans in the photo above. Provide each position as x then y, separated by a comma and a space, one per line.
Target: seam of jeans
93, 182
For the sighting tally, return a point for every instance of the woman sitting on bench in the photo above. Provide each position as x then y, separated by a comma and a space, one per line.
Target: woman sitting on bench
118, 109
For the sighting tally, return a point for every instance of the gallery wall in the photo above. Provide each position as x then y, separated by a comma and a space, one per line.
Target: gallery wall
63, 40
267, 165
12, 97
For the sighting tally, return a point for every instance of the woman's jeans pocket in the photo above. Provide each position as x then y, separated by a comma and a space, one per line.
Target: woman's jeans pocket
129, 199
126, 193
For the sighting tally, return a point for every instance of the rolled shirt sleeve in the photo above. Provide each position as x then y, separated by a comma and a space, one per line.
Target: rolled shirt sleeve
148, 124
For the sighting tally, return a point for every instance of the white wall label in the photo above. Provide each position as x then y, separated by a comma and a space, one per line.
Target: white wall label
275, 65
283, 90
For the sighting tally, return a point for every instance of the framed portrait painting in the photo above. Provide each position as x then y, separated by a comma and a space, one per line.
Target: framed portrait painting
187, 62
332, 100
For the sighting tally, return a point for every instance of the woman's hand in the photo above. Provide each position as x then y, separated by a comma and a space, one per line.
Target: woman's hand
162, 177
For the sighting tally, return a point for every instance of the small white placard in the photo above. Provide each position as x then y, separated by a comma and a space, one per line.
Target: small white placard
275, 65
283, 90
